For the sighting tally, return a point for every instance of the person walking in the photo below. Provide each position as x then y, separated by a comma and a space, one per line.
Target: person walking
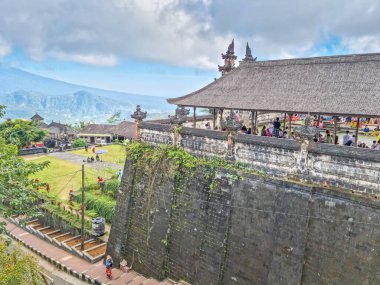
109, 263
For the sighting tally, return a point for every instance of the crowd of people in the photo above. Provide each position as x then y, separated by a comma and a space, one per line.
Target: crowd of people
325, 136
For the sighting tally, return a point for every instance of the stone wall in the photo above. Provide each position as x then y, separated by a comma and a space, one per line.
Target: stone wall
220, 226
341, 166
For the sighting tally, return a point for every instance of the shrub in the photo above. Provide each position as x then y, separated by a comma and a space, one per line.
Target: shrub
113, 187
79, 143
101, 205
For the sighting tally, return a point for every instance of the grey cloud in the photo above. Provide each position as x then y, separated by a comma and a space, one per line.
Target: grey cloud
187, 32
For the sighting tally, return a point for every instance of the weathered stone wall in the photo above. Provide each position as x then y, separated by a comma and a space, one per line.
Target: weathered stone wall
341, 166
217, 226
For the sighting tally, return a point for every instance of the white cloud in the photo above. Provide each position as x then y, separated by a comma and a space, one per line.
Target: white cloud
362, 44
184, 32
5, 47
93, 59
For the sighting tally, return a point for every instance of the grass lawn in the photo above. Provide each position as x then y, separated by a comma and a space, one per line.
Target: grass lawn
115, 154
63, 176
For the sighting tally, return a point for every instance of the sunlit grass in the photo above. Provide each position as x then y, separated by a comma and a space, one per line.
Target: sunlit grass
63, 176
115, 153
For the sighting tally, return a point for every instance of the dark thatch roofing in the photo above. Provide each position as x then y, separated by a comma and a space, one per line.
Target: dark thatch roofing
124, 129
188, 119
55, 127
37, 117
336, 85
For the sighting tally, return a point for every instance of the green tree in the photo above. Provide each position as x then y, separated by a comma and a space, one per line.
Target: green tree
21, 132
114, 118
18, 268
16, 193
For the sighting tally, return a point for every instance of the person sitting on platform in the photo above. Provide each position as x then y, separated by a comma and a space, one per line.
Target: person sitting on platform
378, 145
92, 159
328, 138
263, 131
284, 135
347, 140
268, 132
366, 129
374, 144
97, 157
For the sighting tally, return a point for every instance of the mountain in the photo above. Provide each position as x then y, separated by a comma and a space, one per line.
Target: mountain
25, 93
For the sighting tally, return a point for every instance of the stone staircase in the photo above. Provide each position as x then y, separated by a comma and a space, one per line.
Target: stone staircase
44, 240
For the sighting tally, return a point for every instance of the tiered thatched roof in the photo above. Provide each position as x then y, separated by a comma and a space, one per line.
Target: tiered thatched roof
336, 85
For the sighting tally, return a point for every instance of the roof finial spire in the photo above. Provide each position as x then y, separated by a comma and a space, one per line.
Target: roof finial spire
248, 54
229, 59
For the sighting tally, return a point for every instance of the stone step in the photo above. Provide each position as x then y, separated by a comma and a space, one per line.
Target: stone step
151, 281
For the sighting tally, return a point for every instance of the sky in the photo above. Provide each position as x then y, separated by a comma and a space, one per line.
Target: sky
173, 47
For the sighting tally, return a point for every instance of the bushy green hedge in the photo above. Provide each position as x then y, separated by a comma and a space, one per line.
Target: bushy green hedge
103, 206
112, 187
79, 143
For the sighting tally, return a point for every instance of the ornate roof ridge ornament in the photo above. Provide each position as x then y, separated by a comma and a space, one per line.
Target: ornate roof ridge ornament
180, 115
232, 123
138, 115
229, 59
248, 54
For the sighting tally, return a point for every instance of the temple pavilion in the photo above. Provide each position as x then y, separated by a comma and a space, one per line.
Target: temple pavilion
337, 86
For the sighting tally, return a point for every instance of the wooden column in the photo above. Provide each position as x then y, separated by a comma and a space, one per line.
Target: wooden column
213, 118
290, 125
221, 119
252, 122
194, 118
256, 126
284, 121
335, 127
357, 131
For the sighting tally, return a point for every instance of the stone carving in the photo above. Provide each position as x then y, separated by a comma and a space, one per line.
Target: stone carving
180, 116
231, 123
156, 138
138, 115
304, 135
229, 59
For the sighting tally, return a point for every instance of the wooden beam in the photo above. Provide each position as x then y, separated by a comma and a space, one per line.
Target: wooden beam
194, 118
256, 126
252, 122
284, 121
290, 125
335, 127
357, 131
213, 118
221, 119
